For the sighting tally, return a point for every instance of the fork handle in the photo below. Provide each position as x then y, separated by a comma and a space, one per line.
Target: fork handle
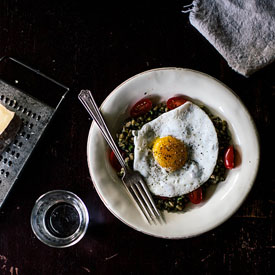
86, 98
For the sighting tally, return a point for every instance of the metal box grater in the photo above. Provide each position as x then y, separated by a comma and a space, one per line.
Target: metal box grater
34, 113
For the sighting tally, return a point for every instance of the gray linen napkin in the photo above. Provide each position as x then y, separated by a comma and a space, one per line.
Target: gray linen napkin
243, 31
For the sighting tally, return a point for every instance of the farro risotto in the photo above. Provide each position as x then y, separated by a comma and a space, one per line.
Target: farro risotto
170, 153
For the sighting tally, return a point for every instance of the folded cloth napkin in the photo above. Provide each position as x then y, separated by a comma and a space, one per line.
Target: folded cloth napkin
243, 31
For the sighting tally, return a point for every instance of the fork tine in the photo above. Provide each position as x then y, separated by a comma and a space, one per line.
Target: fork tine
153, 213
133, 181
146, 205
148, 196
137, 199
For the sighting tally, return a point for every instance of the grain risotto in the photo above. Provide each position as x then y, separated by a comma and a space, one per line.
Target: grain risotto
125, 141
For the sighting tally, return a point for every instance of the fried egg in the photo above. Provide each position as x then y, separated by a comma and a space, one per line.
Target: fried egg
176, 152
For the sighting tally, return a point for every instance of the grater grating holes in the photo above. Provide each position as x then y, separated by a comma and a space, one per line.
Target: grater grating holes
4, 173
24, 134
14, 104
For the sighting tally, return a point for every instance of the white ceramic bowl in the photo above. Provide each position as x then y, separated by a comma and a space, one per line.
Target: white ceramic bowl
222, 200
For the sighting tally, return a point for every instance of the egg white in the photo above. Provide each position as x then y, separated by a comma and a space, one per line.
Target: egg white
190, 124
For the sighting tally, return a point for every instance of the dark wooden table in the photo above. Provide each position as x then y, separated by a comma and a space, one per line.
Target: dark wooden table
98, 45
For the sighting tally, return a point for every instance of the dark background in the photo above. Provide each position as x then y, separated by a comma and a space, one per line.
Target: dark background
97, 45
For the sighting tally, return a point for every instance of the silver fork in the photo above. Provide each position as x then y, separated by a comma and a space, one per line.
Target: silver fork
132, 180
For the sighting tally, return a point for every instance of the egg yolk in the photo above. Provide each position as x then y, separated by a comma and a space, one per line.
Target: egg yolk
170, 153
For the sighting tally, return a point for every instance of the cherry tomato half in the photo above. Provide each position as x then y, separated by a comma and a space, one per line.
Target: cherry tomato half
175, 102
229, 157
196, 196
141, 107
114, 162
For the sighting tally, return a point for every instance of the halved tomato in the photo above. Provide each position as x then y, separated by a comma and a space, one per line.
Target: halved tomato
141, 107
114, 162
175, 102
229, 157
196, 196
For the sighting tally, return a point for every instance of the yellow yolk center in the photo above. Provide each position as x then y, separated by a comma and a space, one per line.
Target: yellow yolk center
170, 153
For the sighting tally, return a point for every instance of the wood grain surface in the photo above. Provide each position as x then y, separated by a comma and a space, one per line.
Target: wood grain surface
97, 45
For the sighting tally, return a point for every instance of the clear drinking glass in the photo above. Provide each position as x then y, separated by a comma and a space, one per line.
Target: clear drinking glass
59, 218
